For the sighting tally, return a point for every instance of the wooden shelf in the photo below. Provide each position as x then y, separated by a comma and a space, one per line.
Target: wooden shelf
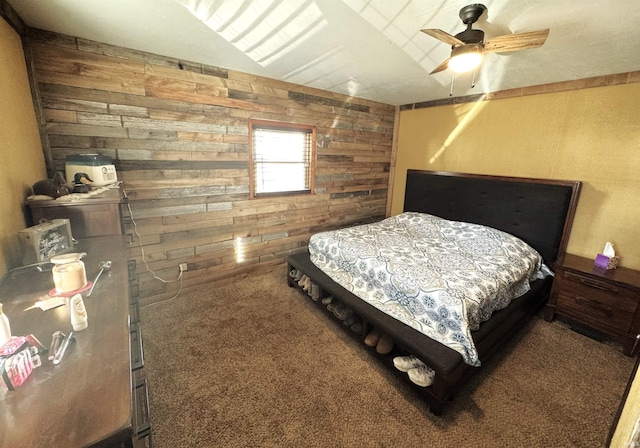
98, 215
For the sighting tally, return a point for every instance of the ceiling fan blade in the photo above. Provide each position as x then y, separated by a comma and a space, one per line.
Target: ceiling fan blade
443, 36
517, 41
443, 66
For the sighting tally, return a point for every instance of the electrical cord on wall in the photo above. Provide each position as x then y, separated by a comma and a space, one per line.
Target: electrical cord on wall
179, 278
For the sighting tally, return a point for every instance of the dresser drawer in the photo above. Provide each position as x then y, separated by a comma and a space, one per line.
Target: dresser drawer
608, 304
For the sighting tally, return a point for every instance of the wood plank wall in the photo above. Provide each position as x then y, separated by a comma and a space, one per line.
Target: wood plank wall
178, 132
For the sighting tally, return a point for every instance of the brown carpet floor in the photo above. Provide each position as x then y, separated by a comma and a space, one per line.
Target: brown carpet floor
257, 364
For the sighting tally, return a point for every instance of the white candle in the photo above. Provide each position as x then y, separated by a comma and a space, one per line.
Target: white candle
69, 277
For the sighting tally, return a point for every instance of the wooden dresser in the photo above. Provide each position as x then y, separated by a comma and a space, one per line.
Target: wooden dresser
97, 395
605, 300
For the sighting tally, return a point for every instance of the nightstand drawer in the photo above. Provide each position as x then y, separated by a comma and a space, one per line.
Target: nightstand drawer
589, 282
607, 304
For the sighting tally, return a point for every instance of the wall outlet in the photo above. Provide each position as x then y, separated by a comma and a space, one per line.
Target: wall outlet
183, 267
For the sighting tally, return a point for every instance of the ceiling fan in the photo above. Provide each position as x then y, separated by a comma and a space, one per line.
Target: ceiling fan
469, 46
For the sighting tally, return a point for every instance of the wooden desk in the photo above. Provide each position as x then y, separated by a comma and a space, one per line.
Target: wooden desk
86, 400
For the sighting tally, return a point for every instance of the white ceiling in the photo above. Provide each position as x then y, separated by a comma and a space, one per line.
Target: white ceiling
366, 48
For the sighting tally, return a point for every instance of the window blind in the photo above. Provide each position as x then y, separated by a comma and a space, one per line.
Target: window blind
281, 159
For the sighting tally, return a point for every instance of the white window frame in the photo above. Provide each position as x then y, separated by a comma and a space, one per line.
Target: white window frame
303, 154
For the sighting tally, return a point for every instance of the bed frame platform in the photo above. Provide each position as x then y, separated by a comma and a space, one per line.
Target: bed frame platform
538, 211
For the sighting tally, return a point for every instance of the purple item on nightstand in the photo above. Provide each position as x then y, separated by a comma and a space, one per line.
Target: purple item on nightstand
602, 261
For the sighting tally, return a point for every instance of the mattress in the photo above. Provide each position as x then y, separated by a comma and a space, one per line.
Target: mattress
440, 277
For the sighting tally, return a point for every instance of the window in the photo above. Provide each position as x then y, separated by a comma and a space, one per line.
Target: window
282, 158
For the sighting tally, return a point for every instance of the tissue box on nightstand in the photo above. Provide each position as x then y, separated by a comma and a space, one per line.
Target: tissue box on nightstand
604, 262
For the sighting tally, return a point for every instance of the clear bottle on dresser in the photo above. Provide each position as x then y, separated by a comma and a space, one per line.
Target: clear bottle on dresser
5, 327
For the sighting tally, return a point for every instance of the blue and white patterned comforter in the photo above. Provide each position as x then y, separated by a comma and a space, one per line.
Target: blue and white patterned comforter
442, 278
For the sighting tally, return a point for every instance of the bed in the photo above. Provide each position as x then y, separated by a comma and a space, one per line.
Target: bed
522, 212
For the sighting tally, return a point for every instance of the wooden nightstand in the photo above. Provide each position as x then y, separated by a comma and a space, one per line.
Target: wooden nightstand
606, 300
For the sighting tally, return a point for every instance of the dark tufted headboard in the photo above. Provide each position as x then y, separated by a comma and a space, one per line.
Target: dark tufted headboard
538, 211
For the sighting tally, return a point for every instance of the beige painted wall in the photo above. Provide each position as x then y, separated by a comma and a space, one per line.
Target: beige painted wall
20, 149
590, 135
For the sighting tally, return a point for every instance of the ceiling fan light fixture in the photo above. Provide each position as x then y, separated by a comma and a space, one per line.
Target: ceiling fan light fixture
465, 58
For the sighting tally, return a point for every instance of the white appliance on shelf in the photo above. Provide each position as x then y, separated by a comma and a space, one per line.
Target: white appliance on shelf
97, 167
